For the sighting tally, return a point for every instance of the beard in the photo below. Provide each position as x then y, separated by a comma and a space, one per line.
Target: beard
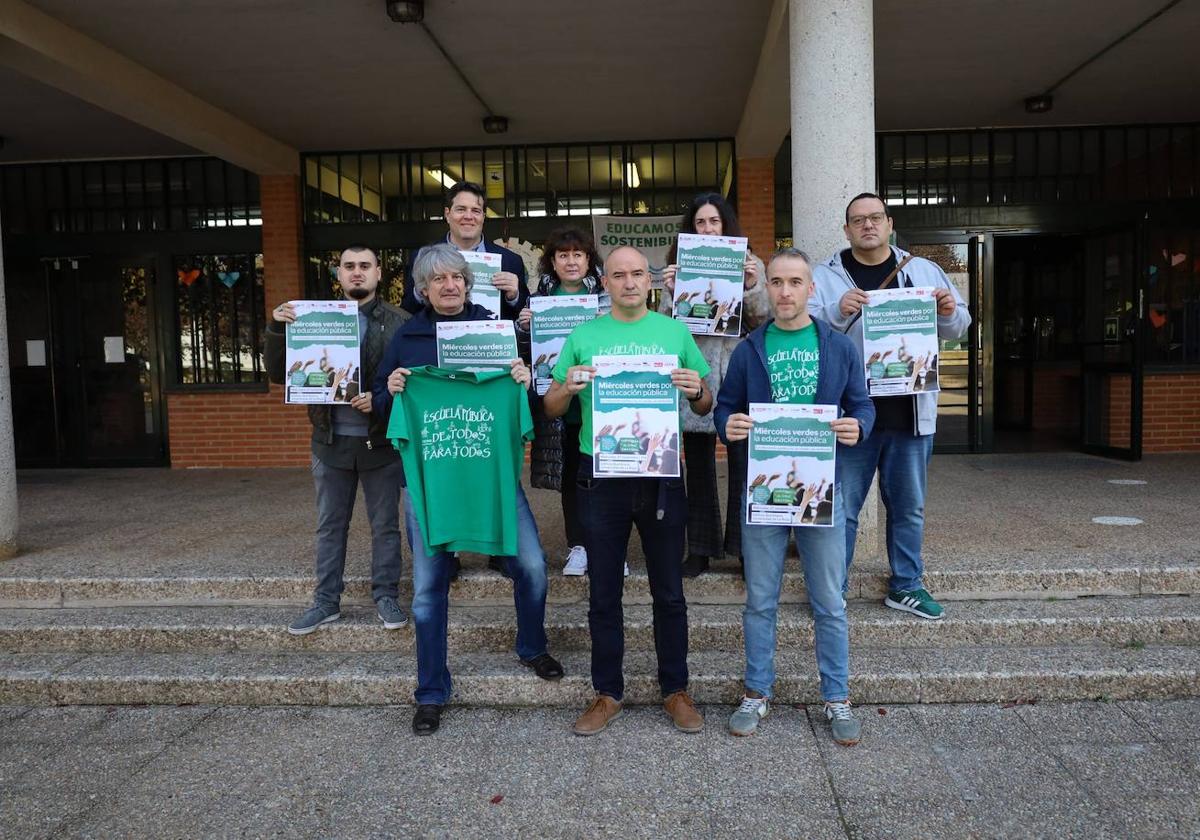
357, 293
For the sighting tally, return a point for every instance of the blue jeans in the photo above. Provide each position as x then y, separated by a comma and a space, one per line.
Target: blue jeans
764, 548
901, 459
336, 489
431, 601
609, 508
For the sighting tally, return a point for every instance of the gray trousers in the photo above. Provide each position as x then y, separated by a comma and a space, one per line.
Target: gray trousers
336, 489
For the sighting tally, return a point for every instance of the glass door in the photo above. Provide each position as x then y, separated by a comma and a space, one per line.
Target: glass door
960, 424
1111, 349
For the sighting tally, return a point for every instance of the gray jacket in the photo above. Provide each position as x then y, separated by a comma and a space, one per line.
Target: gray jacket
832, 281
717, 350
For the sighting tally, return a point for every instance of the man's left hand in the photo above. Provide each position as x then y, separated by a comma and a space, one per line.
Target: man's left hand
520, 373
506, 282
846, 429
362, 402
945, 302
687, 381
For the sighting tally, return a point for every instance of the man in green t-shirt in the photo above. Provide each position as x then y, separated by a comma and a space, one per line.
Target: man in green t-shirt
609, 506
794, 359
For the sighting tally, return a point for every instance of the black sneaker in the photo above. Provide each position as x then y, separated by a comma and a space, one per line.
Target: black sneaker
426, 719
695, 565
390, 613
313, 618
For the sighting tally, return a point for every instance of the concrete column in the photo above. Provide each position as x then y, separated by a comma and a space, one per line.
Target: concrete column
8, 452
832, 64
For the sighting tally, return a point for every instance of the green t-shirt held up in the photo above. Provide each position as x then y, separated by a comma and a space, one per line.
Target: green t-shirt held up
652, 334
461, 436
793, 361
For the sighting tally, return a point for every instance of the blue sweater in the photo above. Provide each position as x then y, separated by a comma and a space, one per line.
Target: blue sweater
841, 380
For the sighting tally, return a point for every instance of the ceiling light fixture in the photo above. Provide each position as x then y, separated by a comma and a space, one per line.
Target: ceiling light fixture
494, 124
441, 177
1039, 104
406, 11
632, 178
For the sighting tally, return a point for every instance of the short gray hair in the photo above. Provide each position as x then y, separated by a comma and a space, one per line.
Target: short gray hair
791, 252
441, 258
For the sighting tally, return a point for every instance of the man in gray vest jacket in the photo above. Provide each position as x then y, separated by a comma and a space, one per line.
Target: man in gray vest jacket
350, 445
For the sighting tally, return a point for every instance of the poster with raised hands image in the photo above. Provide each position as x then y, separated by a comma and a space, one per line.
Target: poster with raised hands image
635, 417
709, 284
476, 345
900, 342
323, 358
484, 267
790, 472
553, 318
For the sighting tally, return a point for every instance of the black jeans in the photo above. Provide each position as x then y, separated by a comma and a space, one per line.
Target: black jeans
570, 488
608, 508
704, 508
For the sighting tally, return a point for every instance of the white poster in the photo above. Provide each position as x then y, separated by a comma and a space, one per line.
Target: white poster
553, 318
790, 472
635, 417
652, 235
484, 267
900, 341
709, 284
323, 355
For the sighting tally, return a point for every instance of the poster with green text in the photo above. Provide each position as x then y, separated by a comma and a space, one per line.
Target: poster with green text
900, 342
323, 358
476, 345
709, 284
554, 316
789, 476
484, 267
635, 417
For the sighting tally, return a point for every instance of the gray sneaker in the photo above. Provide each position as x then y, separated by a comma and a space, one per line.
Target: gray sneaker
745, 719
313, 618
390, 614
847, 731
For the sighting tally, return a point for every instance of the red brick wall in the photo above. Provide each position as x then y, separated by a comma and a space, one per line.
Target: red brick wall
756, 203
1171, 412
239, 429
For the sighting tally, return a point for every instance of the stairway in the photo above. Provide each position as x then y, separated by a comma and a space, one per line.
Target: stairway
1011, 635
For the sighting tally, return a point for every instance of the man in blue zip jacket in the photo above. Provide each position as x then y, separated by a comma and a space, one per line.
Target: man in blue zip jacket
902, 441
794, 359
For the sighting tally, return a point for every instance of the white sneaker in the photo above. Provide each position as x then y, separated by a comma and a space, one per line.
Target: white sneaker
626, 570
576, 562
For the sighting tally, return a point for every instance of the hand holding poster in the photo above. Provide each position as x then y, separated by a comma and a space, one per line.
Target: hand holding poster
554, 316
484, 267
635, 417
900, 341
709, 283
790, 472
476, 345
322, 353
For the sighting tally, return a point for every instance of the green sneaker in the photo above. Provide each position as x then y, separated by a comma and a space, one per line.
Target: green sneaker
918, 602
745, 719
845, 728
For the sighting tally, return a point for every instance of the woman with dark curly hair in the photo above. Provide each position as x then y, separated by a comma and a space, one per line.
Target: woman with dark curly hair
710, 214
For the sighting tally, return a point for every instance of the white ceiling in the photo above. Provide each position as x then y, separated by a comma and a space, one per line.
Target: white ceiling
322, 75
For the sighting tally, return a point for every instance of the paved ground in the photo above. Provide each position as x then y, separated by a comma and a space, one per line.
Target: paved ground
1121, 770
986, 512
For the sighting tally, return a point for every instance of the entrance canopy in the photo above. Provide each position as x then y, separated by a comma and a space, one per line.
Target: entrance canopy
257, 82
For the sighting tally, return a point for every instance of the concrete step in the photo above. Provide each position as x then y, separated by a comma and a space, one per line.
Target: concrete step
484, 587
1146, 619
880, 675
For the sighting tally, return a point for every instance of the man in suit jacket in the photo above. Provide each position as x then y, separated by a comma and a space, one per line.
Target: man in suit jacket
465, 212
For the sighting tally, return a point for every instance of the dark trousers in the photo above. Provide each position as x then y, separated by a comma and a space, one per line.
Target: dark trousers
570, 489
704, 508
608, 508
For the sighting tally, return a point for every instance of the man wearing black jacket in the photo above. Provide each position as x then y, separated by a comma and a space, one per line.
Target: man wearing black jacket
349, 445
466, 206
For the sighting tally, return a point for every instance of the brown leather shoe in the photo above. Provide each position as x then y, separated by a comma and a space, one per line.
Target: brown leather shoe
683, 712
602, 711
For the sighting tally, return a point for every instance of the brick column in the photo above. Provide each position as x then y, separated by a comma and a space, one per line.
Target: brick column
240, 429
756, 203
